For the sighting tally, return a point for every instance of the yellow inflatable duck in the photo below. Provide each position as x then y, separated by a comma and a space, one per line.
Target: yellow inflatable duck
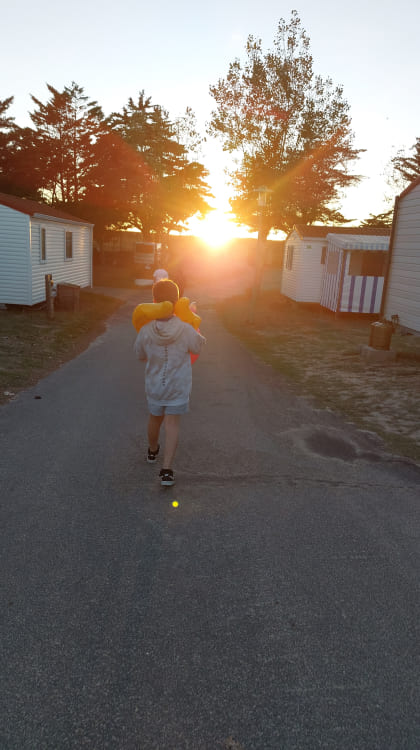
148, 311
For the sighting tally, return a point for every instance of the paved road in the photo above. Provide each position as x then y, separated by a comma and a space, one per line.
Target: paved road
277, 608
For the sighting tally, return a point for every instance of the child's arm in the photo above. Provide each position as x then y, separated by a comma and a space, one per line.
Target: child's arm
195, 341
138, 346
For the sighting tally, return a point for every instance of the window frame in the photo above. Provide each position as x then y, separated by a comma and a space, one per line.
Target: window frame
333, 263
42, 245
68, 233
367, 263
288, 264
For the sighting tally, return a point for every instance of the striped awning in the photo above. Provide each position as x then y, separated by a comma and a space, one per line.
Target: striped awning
358, 242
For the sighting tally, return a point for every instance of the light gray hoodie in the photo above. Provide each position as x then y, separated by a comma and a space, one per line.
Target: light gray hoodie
166, 345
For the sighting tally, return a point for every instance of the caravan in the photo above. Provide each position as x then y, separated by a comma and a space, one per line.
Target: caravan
147, 257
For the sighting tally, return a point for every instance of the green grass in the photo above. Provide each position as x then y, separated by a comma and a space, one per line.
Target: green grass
31, 345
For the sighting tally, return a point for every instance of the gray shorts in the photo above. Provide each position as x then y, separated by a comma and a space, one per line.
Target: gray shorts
157, 410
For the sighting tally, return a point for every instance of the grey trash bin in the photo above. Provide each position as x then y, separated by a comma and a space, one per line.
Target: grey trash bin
68, 296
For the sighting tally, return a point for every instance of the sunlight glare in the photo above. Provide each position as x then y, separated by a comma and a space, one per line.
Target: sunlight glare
216, 229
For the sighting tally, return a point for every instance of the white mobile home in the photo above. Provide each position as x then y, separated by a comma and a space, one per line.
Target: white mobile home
35, 240
304, 254
354, 273
402, 283
304, 258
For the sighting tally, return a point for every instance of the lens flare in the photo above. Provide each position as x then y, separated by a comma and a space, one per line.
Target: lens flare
216, 230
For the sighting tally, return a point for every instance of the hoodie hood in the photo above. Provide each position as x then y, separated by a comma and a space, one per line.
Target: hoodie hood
167, 331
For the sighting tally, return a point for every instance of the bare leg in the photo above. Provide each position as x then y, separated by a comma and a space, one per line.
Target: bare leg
153, 429
171, 439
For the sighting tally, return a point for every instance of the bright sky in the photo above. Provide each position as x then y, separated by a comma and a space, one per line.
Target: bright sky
176, 50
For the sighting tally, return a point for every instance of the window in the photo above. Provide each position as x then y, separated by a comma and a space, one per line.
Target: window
289, 257
367, 263
69, 245
332, 265
323, 255
43, 246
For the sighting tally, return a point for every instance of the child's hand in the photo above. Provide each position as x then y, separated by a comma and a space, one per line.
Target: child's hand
184, 312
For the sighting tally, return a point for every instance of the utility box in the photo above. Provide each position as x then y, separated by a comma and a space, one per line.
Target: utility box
68, 297
380, 336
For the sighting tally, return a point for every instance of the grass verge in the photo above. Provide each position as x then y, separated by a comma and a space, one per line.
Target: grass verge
319, 355
31, 346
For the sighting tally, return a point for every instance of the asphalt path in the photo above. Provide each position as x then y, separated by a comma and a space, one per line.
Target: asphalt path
276, 608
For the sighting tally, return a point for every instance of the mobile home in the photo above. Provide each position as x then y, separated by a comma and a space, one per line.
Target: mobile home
36, 240
402, 282
354, 273
305, 255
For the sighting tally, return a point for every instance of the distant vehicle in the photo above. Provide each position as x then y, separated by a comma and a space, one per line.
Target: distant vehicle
147, 256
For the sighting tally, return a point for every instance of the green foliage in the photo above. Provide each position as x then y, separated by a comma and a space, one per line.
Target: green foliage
130, 170
288, 130
186, 132
6, 139
67, 129
408, 167
17, 161
379, 220
6, 131
170, 188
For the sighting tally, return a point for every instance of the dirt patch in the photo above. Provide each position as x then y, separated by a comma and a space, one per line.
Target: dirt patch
320, 355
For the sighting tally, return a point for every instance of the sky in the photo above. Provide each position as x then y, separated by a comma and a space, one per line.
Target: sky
176, 51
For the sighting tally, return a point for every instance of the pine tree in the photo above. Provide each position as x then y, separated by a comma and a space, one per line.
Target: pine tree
379, 220
408, 167
170, 188
7, 125
67, 129
129, 170
18, 159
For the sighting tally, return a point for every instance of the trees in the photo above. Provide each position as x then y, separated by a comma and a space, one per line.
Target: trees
408, 167
186, 132
399, 171
6, 131
67, 130
17, 174
167, 187
114, 178
130, 170
383, 219
287, 129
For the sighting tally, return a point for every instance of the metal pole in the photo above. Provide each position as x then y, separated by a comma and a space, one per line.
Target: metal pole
258, 270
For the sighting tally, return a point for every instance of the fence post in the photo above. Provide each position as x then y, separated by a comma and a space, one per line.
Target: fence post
48, 296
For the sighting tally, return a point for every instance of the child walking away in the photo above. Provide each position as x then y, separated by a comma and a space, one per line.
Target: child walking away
166, 345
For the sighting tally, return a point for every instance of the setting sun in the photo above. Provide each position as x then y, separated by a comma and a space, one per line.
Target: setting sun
216, 229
